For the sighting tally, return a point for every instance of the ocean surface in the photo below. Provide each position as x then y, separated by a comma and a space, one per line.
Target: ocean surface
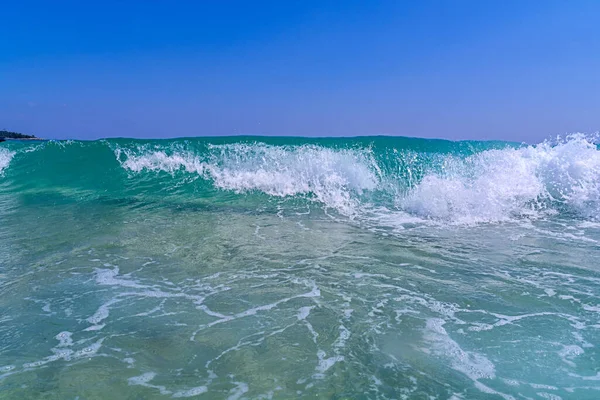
258, 268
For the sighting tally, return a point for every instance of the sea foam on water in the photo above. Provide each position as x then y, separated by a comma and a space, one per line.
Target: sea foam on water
5, 158
497, 185
488, 186
328, 174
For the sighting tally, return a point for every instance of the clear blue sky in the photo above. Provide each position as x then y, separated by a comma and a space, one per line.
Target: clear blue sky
464, 69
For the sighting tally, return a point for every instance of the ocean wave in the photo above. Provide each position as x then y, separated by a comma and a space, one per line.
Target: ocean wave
5, 157
392, 183
333, 176
487, 186
497, 185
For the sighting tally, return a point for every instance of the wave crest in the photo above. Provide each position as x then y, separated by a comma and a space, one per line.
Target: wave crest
5, 157
333, 176
497, 185
490, 185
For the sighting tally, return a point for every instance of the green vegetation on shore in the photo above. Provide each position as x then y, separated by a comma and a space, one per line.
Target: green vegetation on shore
15, 135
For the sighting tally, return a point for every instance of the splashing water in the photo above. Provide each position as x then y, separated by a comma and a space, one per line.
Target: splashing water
496, 185
487, 186
5, 157
330, 175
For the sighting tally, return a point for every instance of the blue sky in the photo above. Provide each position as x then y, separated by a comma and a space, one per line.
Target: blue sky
466, 69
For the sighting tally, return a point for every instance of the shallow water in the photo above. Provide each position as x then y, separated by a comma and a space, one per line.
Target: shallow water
227, 268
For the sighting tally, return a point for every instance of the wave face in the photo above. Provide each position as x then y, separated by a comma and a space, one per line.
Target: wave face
333, 176
410, 179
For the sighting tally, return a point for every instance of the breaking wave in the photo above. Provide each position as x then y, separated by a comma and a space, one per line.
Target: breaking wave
496, 185
384, 179
5, 158
333, 177
486, 186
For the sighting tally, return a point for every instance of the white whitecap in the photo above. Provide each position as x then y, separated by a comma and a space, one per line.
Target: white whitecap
5, 157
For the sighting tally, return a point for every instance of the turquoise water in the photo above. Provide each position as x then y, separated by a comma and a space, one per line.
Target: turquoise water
366, 268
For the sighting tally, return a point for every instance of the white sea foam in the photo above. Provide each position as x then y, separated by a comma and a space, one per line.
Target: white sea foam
332, 176
238, 391
5, 157
497, 185
472, 364
488, 186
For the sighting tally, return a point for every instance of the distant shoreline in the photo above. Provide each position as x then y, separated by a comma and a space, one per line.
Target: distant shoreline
6, 135
4, 139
